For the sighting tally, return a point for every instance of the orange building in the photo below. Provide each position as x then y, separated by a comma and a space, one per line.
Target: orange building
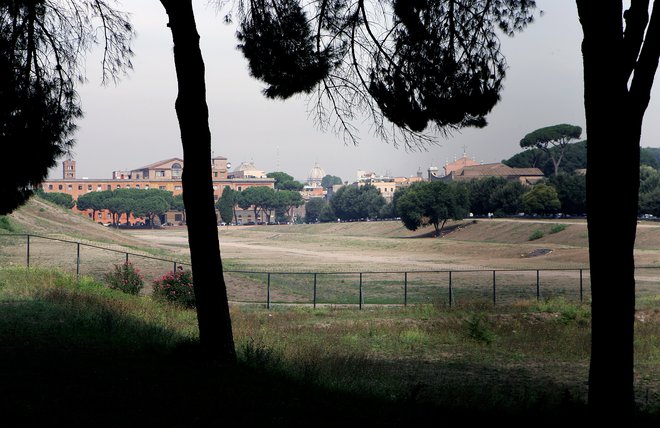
164, 175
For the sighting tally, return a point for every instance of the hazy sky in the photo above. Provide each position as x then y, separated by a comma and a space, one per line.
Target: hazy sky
134, 123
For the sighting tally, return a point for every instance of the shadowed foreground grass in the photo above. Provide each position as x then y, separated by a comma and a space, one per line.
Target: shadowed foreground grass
78, 354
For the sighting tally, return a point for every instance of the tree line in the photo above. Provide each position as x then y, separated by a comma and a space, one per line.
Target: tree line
433, 203
261, 200
144, 203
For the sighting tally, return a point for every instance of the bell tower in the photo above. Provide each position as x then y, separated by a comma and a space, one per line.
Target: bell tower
69, 169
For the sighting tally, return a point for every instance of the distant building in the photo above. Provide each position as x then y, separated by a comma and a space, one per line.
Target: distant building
247, 170
459, 164
164, 175
315, 176
313, 187
472, 172
386, 185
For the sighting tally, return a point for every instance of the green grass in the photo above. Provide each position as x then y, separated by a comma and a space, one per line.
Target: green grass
8, 225
75, 352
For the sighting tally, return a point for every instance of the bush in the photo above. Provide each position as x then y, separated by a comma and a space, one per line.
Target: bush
125, 278
537, 234
479, 330
176, 287
7, 224
557, 228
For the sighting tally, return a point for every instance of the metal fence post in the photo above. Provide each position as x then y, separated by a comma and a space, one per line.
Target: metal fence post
451, 297
360, 290
580, 285
28, 251
538, 286
314, 296
78, 261
405, 289
174, 269
126, 258
494, 288
268, 292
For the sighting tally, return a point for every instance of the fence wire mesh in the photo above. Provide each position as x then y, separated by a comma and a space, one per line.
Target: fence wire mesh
445, 287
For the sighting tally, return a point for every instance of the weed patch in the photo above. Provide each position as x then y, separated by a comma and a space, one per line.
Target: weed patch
537, 234
478, 329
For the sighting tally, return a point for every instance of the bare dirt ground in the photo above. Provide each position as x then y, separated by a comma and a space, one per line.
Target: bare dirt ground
379, 246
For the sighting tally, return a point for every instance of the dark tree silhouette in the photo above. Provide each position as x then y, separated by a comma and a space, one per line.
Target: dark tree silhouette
620, 52
42, 46
215, 332
405, 64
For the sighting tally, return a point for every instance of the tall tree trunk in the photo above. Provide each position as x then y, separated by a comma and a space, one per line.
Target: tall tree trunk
614, 117
213, 318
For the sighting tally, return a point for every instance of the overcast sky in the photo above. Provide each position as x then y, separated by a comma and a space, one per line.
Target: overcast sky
134, 123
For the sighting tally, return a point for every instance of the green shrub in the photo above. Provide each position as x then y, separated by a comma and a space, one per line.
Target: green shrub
176, 287
537, 234
7, 224
479, 330
125, 278
557, 228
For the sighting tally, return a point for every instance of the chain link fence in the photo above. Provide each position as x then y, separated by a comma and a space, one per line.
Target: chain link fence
444, 287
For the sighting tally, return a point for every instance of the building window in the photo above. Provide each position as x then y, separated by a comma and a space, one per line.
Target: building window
146, 186
160, 173
239, 189
137, 176
215, 187
109, 187
50, 187
137, 186
109, 216
100, 215
69, 187
59, 187
118, 186
215, 174
80, 187
215, 197
177, 187
98, 187
128, 186
89, 187
161, 187
176, 170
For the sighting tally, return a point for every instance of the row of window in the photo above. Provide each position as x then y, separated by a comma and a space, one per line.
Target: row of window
99, 187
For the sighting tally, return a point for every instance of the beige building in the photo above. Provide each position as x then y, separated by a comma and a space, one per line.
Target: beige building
247, 170
163, 175
472, 172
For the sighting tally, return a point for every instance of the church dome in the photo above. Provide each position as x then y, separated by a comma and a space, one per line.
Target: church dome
316, 175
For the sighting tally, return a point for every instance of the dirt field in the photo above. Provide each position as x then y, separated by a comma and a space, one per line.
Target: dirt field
379, 246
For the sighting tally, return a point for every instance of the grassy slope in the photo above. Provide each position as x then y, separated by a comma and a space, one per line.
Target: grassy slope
40, 217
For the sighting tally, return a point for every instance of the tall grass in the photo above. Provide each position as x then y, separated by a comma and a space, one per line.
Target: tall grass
380, 365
